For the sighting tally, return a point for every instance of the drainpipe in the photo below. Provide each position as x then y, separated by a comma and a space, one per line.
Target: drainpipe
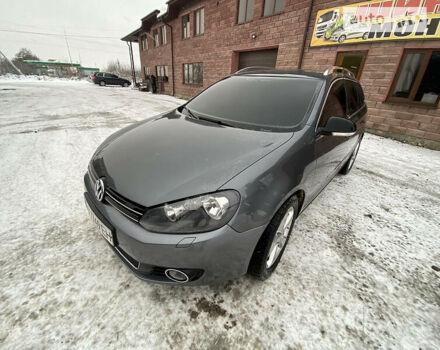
172, 56
301, 53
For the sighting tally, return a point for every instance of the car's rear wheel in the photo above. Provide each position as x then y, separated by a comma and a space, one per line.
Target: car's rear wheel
102, 83
350, 162
273, 242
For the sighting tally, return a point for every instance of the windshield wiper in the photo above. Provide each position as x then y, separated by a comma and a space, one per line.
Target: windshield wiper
217, 121
191, 114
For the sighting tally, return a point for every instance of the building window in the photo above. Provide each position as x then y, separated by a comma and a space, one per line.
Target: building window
245, 11
186, 27
352, 60
144, 42
273, 7
199, 25
147, 71
156, 38
417, 78
193, 73
162, 73
163, 35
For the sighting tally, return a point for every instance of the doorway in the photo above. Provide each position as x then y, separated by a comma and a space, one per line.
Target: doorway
352, 60
262, 58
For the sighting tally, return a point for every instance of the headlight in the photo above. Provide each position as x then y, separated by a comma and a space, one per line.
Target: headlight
199, 214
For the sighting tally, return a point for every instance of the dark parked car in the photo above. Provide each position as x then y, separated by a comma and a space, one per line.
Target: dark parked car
103, 79
211, 190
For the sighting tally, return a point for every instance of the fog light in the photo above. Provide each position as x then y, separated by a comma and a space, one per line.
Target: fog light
176, 275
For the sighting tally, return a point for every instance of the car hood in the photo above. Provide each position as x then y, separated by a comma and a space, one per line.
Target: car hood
173, 157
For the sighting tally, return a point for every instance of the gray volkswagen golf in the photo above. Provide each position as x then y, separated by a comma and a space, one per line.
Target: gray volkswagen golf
211, 190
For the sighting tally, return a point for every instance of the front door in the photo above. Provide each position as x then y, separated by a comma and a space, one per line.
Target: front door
330, 151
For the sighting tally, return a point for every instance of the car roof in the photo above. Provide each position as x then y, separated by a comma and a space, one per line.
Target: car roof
329, 75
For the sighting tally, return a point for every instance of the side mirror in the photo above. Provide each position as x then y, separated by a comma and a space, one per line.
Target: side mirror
337, 126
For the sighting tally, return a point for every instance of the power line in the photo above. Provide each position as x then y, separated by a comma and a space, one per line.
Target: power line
122, 50
46, 27
61, 35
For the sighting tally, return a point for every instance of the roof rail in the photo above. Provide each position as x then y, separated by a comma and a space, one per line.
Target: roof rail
339, 70
250, 69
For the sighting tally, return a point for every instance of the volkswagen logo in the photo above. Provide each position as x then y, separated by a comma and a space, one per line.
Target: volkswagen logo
99, 190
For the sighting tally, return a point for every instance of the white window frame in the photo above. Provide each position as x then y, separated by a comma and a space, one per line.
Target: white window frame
199, 21
186, 27
144, 42
163, 34
156, 37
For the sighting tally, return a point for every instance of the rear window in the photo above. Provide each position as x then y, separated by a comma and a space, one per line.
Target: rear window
272, 103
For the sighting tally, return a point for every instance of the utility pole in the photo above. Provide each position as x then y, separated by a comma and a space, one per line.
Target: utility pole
68, 49
13, 65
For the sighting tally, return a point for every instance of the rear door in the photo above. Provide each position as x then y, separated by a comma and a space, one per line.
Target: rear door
330, 151
109, 79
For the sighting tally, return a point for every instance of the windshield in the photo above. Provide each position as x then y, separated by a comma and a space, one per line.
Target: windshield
271, 103
326, 17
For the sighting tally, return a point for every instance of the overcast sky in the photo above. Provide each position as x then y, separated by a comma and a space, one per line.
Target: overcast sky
108, 18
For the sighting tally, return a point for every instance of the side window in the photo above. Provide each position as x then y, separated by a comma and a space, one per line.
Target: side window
352, 97
336, 103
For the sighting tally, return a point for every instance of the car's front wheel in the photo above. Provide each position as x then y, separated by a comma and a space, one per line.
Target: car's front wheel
350, 162
273, 242
125, 85
102, 83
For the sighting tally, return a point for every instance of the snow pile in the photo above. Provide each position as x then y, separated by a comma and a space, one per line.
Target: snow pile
34, 78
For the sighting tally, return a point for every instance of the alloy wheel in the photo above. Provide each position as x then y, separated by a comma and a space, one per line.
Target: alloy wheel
280, 238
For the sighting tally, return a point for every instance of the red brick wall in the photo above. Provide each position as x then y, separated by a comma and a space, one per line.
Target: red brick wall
223, 37
401, 121
157, 56
217, 48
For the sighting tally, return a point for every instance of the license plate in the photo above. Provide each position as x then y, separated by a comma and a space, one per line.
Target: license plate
103, 230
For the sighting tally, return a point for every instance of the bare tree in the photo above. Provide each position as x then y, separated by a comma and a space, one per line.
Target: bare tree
23, 54
122, 70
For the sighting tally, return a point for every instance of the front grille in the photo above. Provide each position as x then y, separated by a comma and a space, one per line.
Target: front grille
130, 209
125, 206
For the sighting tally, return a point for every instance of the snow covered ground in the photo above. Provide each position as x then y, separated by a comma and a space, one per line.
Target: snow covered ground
359, 272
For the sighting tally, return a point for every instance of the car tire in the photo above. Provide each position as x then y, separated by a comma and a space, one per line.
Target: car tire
276, 236
341, 39
125, 85
350, 162
102, 83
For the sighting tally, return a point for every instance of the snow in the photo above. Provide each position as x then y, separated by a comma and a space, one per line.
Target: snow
35, 78
356, 274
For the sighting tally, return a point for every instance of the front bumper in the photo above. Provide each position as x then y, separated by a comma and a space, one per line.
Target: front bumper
208, 258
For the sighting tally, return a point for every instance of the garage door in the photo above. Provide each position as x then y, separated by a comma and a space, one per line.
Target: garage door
265, 58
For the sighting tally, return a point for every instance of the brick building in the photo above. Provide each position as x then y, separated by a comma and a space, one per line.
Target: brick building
196, 42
